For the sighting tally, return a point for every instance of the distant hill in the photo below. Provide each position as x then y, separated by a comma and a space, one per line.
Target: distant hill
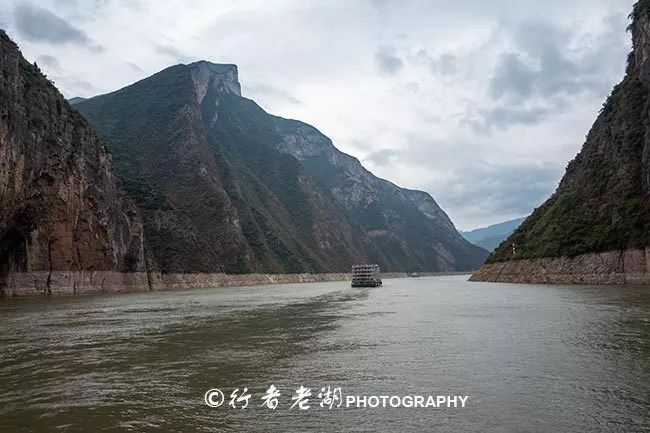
76, 100
491, 236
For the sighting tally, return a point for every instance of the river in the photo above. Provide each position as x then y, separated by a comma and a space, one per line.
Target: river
528, 358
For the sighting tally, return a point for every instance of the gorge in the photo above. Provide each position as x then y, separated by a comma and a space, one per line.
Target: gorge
186, 183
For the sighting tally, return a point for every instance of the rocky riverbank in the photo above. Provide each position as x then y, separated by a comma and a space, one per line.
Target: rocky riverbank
612, 267
19, 284
72, 283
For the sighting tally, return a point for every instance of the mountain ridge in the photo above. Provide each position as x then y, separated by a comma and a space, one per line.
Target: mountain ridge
317, 221
596, 225
490, 237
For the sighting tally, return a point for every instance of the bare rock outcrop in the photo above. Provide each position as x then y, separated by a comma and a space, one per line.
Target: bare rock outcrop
61, 205
224, 186
612, 267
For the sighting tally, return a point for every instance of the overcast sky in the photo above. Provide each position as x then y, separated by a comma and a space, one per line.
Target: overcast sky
479, 102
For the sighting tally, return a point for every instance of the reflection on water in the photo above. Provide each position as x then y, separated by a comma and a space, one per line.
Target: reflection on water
531, 358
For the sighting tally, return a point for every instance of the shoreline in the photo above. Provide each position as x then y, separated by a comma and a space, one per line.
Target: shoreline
611, 267
65, 283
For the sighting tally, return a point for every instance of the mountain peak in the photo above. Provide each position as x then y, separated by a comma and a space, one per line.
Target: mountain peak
226, 187
221, 76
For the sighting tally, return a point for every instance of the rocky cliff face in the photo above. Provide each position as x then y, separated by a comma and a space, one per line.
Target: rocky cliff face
603, 202
220, 77
215, 197
408, 226
61, 206
225, 187
609, 267
156, 133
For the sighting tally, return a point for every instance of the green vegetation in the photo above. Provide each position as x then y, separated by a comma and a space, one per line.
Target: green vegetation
244, 141
142, 190
406, 238
322, 169
602, 202
122, 119
641, 10
204, 166
217, 194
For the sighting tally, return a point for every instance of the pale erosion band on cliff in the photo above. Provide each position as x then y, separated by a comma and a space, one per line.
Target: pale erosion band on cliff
79, 282
612, 267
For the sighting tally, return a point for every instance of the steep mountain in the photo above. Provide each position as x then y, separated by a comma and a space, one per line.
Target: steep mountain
61, 207
224, 186
491, 236
408, 226
597, 223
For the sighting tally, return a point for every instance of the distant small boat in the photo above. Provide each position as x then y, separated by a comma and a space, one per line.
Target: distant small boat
415, 275
366, 276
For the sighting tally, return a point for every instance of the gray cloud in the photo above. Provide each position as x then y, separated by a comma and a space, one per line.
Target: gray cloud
174, 54
501, 190
500, 187
50, 62
512, 77
387, 60
78, 86
502, 117
267, 91
538, 78
69, 84
383, 157
40, 25
499, 100
443, 64
541, 68
413, 87
379, 3
72, 86
134, 66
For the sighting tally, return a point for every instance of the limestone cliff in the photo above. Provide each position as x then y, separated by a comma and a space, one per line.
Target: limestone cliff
224, 186
407, 225
61, 208
601, 209
609, 267
214, 195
